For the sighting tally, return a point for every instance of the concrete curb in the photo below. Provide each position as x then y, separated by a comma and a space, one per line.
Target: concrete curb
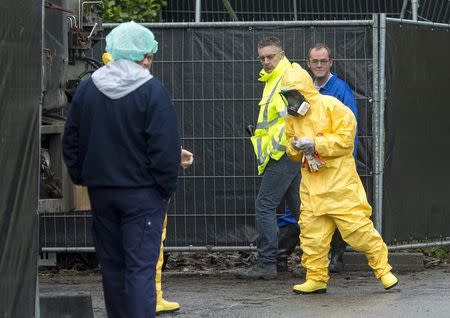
66, 304
353, 262
400, 262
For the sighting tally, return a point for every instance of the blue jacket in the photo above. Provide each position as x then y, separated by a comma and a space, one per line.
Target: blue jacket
131, 141
338, 88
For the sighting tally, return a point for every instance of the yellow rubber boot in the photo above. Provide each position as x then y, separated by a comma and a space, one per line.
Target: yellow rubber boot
388, 280
164, 306
311, 286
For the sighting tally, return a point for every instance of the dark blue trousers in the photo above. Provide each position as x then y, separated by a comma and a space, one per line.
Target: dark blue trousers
127, 231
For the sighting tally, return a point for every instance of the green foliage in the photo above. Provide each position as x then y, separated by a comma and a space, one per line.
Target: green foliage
439, 252
136, 10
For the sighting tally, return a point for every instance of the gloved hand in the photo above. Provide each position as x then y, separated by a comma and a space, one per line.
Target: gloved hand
303, 144
313, 161
186, 158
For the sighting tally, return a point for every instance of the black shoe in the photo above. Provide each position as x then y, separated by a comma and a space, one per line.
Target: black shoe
336, 265
258, 271
337, 251
282, 266
299, 272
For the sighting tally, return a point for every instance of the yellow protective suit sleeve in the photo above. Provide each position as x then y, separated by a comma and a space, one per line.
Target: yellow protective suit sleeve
159, 264
293, 153
340, 140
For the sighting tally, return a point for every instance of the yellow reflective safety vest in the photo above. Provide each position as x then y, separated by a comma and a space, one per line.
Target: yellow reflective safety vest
269, 139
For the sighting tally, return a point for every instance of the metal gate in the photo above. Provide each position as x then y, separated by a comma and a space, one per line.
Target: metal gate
211, 70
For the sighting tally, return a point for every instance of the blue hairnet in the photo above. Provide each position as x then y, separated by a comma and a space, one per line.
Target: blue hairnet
130, 41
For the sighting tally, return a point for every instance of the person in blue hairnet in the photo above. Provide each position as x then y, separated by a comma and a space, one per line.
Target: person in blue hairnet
122, 142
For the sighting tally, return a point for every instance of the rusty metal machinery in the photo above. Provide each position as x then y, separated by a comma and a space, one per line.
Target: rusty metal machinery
72, 27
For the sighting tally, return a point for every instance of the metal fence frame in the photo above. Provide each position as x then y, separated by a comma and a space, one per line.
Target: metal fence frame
378, 24
71, 220
225, 10
444, 241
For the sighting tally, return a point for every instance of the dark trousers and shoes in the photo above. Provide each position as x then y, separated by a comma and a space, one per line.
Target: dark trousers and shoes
337, 251
258, 271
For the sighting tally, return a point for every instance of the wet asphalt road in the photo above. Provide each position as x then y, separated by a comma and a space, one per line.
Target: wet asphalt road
358, 294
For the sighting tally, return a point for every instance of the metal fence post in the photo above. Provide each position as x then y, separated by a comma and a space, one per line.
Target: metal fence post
382, 78
375, 124
379, 131
294, 2
198, 9
414, 7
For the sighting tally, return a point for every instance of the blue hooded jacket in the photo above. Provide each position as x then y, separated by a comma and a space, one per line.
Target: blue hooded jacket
122, 131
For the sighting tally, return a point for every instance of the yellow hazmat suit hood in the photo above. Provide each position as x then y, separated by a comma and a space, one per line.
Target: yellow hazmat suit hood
296, 78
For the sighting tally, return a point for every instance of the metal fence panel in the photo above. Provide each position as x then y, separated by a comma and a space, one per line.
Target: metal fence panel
416, 174
304, 10
212, 74
434, 11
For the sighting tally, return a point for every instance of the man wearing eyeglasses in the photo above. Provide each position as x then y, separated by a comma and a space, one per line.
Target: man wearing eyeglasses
320, 62
280, 175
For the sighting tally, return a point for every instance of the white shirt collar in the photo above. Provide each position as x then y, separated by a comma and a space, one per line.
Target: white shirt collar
317, 86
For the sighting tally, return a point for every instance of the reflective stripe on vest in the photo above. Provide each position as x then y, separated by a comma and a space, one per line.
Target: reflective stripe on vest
259, 146
265, 124
276, 145
282, 114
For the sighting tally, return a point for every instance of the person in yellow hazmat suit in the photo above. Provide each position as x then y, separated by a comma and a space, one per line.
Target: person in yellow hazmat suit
162, 305
320, 133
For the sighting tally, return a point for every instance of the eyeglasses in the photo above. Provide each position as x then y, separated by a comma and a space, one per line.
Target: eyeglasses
269, 57
317, 62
